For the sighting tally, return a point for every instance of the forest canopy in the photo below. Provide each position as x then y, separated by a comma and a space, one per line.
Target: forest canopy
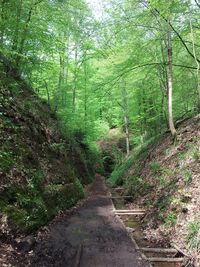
134, 67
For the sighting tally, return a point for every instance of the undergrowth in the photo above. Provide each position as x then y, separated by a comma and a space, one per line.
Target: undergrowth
142, 151
42, 168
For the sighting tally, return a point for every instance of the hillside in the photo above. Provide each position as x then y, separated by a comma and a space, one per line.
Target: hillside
42, 170
164, 178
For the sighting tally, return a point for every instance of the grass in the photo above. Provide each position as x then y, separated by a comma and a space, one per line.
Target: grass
171, 218
141, 151
193, 235
154, 167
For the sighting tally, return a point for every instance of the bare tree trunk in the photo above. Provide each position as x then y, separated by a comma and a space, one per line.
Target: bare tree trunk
65, 72
126, 120
60, 82
75, 79
85, 88
198, 65
16, 31
170, 84
47, 91
2, 21
25, 31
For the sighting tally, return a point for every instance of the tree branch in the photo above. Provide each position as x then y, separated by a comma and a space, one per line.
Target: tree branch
178, 35
197, 3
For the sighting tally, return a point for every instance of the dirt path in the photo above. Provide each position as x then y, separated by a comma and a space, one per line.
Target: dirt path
93, 233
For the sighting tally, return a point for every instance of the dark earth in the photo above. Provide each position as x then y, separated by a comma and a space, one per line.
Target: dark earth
92, 237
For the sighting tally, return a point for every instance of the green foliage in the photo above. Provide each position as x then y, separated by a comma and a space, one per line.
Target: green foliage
116, 177
28, 104
154, 167
141, 152
163, 201
195, 154
171, 218
82, 81
32, 206
168, 171
81, 67
187, 176
6, 160
193, 234
162, 181
182, 156
58, 146
18, 216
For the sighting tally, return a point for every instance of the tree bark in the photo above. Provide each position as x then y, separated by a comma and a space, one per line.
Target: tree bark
16, 31
2, 22
85, 88
170, 84
47, 91
126, 120
25, 31
60, 81
75, 79
197, 64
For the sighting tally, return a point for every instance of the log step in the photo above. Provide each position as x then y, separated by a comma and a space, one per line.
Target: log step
154, 259
159, 250
135, 210
129, 213
121, 197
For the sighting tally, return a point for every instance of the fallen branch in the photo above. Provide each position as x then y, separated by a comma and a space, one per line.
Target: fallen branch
179, 250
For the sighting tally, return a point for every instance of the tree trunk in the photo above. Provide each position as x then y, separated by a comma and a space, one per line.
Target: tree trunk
47, 91
126, 120
2, 22
16, 31
75, 79
85, 88
65, 72
170, 84
25, 31
197, 64
60, 82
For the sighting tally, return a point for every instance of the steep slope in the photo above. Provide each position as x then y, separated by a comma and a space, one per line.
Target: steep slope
164, 177
41, 170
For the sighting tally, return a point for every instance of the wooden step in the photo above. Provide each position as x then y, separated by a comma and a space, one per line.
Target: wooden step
155, 259
135, 210
159, 250
121, 197
129, 213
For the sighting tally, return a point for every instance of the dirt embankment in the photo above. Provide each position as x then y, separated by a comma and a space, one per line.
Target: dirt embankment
164, 178
41, 169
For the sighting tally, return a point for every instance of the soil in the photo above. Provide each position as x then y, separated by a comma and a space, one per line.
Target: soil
93, 236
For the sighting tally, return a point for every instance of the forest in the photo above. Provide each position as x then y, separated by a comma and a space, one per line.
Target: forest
109, 87
136, 68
